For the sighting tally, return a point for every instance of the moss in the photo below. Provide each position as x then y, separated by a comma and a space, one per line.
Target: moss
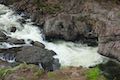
56, 76
51, 75
94, 74
3, 72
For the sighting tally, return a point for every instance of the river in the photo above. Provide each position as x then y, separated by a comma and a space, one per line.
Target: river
68, 53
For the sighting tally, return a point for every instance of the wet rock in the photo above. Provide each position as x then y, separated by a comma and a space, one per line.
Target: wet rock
3, 37
15, 41
13, 29
31, 55
38, 44
78, 20
56, 64
36, 55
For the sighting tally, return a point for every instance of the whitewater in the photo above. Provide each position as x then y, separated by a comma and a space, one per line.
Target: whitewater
68, 53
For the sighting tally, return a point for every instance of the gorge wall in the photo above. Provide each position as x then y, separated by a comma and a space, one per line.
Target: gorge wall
89, 21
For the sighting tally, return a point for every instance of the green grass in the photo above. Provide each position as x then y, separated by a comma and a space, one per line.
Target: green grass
93, 73
4, 72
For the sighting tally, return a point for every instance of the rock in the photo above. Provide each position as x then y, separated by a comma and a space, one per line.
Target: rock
109, 42
111, 70
85, 21
15, 41
38, 44
61, 26
4, 64
13, 29
3, 37
31, 55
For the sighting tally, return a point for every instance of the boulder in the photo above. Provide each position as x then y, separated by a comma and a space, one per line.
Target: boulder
31, 55
61, 26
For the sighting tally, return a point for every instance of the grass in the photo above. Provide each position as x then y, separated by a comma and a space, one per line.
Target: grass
23, 69
94, 74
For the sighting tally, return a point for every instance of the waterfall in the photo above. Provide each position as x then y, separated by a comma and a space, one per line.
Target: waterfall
69, 53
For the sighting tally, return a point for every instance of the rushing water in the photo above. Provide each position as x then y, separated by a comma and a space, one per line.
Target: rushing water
69, 53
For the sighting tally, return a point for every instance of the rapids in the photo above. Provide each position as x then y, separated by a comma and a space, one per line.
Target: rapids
68, 53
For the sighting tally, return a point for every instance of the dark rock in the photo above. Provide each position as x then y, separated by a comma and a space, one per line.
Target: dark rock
56, 64
15, 41
31, 55
3, 37
60, 27
111, 70
13, 29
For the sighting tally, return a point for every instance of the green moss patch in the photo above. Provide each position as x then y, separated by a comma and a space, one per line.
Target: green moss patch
94, 74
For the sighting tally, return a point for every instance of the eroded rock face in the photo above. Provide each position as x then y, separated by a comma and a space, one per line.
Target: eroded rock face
109, 44
61, 26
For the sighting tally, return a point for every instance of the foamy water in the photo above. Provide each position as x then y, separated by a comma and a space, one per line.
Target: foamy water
69, 53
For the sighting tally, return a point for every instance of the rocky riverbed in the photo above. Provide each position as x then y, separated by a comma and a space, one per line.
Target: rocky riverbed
91, 22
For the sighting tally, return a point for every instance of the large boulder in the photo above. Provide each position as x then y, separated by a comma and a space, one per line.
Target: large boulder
62, 26
31, 55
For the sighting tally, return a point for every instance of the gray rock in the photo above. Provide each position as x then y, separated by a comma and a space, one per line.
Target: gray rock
38, 44
15, 41
3, 37
32, 55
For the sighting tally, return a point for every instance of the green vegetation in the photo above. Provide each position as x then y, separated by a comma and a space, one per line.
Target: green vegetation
23, 72
95, 74
32, 72
4, 72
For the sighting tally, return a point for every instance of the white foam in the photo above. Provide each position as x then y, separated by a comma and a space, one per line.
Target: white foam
69, 54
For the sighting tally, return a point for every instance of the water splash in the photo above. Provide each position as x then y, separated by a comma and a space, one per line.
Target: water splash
69, 53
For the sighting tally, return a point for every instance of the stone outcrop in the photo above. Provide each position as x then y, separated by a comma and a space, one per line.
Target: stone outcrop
31, 55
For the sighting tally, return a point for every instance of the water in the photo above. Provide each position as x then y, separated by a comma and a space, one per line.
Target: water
69, 53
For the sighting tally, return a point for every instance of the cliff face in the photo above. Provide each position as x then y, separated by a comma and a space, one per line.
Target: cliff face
88, 21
